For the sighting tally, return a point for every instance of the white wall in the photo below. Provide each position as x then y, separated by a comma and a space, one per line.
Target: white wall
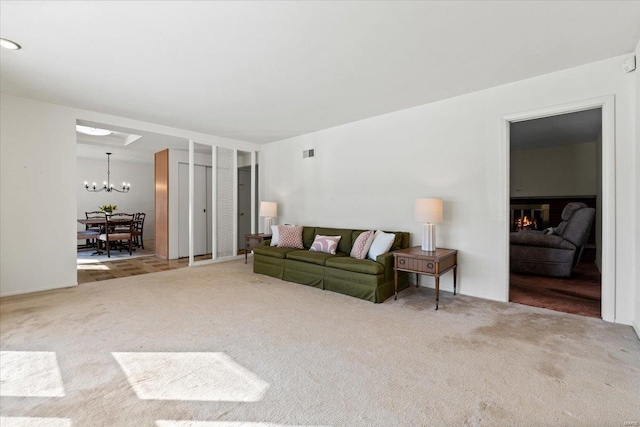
38, 196
636, 261
367, 174
140, 198
38, 189
568, 170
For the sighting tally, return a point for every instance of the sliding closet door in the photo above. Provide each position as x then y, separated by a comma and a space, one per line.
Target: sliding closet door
214, 213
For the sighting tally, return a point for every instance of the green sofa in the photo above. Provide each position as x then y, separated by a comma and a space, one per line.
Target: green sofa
361, 278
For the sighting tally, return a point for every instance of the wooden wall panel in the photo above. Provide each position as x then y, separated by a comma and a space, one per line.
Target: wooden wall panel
162, 203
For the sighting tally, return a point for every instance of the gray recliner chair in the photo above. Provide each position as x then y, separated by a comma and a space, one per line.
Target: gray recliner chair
554, 252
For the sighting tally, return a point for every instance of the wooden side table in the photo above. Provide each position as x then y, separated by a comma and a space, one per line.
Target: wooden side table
430, 263
253, 240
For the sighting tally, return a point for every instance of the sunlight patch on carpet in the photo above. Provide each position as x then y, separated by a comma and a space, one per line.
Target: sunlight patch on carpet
92, 267
34, 422
30, 374
190, 376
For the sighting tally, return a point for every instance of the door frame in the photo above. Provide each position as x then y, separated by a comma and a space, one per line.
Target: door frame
214, 162
254, 199
607, 103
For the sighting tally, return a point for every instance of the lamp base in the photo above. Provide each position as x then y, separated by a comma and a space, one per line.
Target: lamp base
267, 224
428, 237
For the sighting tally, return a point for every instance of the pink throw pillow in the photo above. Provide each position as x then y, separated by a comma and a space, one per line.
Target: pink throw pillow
326, 244
290, 236
362, 244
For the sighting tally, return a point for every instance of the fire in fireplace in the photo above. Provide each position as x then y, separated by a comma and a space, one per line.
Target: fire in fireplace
529, 217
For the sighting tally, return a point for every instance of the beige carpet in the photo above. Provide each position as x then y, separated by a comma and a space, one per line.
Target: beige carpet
218, 346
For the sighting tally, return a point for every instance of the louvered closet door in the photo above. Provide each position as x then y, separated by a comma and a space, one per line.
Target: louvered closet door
224, 202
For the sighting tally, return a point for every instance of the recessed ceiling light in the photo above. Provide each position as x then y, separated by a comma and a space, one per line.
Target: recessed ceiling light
93, 131
8, 44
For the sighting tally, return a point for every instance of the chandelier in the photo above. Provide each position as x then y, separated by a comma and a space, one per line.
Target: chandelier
106, 185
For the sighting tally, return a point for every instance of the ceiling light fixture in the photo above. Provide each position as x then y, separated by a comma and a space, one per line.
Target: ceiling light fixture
8, 44
106, 185
92, 131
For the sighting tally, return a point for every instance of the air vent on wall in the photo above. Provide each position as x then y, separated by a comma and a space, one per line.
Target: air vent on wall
308, 153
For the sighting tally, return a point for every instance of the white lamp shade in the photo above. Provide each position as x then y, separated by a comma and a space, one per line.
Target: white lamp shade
428, 210
268, 209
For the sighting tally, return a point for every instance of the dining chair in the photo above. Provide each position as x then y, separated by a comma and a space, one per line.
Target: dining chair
94, 228
138, 227
94, 215
112, 235
90, 237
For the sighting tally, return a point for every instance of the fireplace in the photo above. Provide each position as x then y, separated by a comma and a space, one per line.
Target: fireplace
529, 217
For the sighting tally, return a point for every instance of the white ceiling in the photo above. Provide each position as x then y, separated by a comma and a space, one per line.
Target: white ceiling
565, 129
141, 150
264, 71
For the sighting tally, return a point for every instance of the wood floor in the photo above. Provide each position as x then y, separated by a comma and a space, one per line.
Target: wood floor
97, 271
581, 294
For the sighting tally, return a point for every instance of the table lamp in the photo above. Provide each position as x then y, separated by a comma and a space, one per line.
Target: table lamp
268, 210
428, 212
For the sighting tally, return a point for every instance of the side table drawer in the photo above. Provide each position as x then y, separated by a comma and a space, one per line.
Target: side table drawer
252, 242
418, 265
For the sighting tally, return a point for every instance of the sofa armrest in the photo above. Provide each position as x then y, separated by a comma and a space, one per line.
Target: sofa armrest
386, 260
266, 243
540, 240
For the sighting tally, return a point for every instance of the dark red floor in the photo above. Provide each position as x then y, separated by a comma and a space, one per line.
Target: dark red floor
581, 294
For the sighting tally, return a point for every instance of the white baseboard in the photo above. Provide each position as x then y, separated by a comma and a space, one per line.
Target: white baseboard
216, 261
629, 323
458, 292
30, 291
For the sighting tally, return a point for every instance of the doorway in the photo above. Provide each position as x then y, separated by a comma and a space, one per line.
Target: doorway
244, 204
202, 210
604, 197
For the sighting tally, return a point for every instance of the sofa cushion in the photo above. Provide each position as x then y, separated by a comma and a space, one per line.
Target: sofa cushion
308, 234
290, 236
345, 237
326, 244
397, 241
318, 258
365, 266
273, 251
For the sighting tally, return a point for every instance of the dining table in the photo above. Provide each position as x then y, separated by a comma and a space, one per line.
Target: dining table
102, 222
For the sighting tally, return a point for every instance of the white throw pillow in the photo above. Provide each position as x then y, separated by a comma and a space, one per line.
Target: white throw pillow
275, 235
381, 244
